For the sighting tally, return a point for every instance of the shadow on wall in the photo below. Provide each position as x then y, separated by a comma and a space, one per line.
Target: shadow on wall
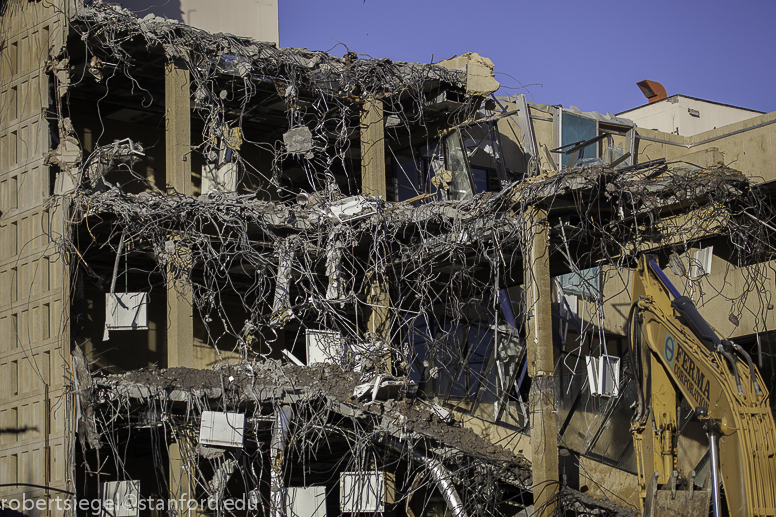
170, 9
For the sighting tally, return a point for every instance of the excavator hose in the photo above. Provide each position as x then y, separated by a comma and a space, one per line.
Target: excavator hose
633, 335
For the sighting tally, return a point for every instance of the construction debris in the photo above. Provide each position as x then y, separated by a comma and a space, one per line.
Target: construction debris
336, 264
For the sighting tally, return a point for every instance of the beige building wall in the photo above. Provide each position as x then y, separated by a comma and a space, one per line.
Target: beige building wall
257, 19
747, 146
686, 116
34, 307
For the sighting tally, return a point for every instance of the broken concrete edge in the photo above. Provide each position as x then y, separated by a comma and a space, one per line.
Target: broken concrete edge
487, 217
273, 384
480, 77
657, 195
401, 420
270, 382
581, 502
245, 55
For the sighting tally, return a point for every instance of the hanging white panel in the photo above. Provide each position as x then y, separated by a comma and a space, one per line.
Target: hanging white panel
126, 311
222, 178
701, 264
120, 498
592, 374
608, 376
365, 491
324, 346
306, 502
222, 429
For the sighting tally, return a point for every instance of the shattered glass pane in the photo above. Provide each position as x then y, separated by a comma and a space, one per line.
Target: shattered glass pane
461, 187
480, 345
481, 179
569, 389
628, 460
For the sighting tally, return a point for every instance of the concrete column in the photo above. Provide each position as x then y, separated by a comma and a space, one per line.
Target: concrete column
178, 127
541, 399
373, 184
180, 308
181, 486
180, 323
379, 324
373, 149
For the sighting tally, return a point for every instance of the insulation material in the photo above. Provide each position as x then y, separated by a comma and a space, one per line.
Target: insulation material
351, 208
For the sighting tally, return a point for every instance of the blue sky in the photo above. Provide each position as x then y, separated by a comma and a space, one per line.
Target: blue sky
589, 54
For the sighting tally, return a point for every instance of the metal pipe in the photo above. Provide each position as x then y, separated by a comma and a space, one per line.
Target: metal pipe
444, 483
714, 470
441, 475
633, 335
759, 352
116, 263
277, 451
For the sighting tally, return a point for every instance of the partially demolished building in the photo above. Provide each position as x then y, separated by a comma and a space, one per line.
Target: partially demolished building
273, 281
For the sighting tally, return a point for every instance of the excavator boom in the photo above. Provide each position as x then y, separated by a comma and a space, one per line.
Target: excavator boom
676, 354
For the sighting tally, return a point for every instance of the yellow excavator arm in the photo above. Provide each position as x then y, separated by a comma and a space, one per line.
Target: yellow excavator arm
675, 351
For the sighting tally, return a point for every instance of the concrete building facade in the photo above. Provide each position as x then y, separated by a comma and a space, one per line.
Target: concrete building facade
185, 240
34, 286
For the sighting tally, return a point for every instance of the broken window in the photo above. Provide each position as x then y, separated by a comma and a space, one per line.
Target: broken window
441, 169
593, 139
586, 283
460, 185
576, 129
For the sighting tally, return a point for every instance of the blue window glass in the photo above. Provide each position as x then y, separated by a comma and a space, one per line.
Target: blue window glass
585, 283
578, 129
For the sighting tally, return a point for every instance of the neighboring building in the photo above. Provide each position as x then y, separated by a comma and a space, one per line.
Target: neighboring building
232, 270
36, 431
686, 116
257, 19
